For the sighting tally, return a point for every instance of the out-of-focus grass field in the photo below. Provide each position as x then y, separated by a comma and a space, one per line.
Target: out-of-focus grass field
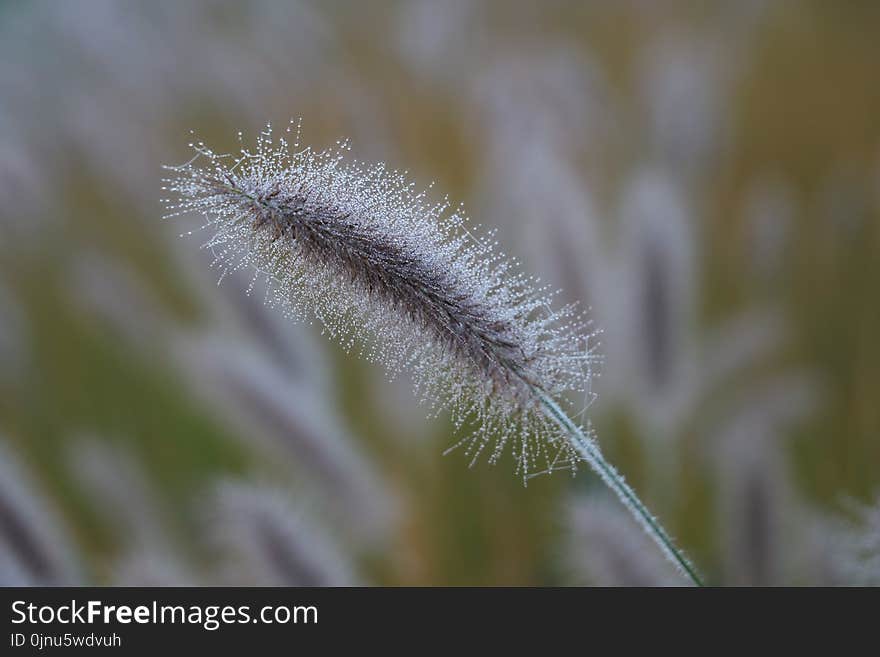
91, 119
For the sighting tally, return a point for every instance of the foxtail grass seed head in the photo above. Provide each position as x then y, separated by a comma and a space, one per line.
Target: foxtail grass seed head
379, 265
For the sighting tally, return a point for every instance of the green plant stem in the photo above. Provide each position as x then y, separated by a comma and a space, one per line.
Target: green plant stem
591, 453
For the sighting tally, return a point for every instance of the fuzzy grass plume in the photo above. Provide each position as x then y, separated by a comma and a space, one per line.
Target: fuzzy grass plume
377, 264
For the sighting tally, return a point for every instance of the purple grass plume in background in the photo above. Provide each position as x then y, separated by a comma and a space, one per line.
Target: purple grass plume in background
377, 264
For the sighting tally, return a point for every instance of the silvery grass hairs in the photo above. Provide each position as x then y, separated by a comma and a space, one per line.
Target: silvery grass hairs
377, 264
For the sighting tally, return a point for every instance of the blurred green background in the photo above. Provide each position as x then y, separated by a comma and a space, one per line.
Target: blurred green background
704, 176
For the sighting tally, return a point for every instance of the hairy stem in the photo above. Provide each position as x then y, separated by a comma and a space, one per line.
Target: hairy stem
591, 453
